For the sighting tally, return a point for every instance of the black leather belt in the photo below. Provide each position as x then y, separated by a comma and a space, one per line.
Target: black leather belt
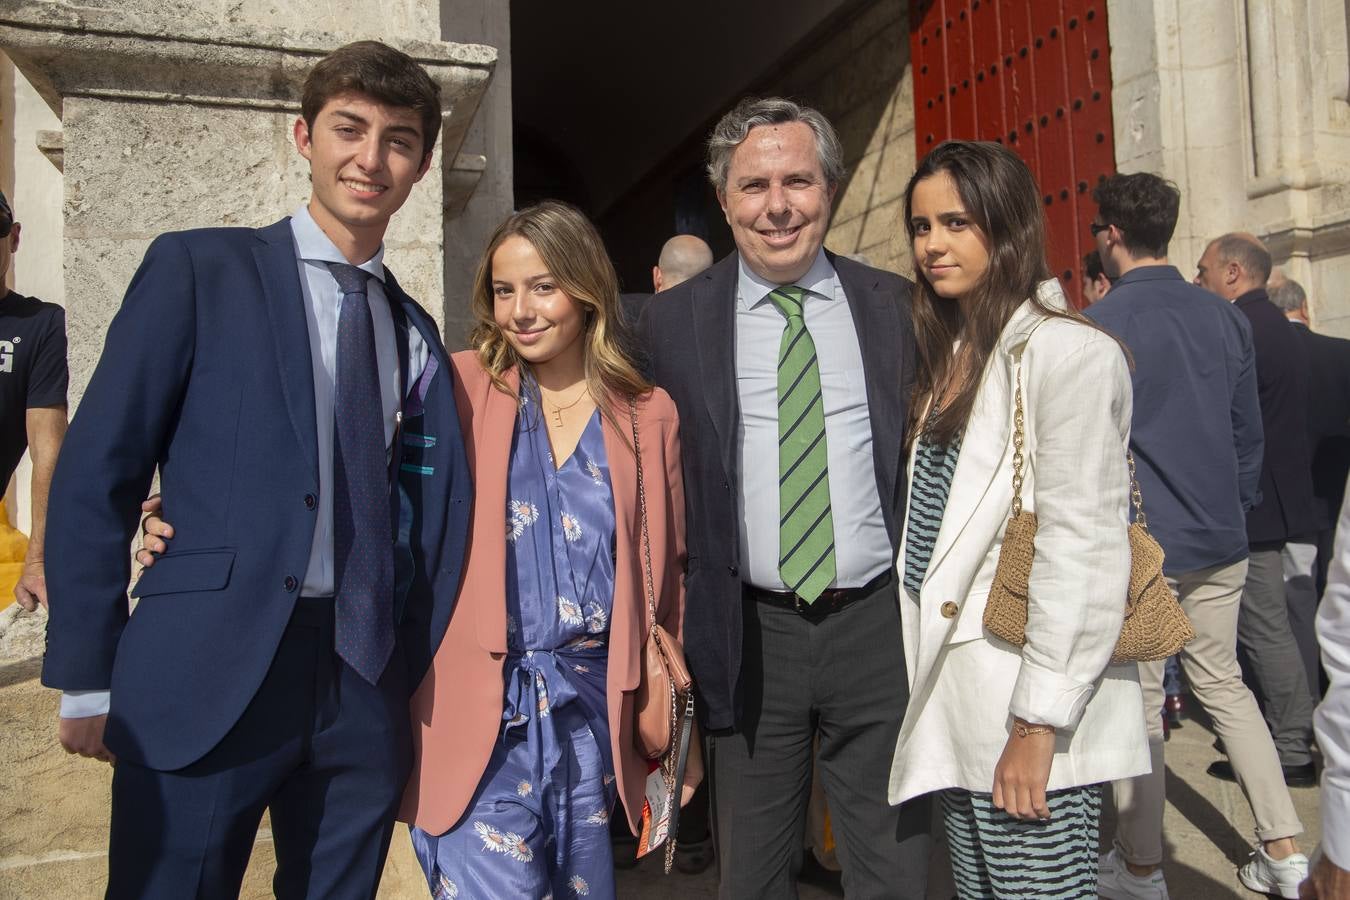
829, 601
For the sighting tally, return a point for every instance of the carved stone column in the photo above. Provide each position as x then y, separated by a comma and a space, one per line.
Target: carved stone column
179, 116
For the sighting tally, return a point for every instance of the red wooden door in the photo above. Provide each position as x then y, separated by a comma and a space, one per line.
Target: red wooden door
1034, 75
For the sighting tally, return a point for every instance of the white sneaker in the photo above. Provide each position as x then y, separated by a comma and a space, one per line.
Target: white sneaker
1115, 882
1274, 876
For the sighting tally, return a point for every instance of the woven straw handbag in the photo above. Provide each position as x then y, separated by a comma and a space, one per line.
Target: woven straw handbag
1155, 626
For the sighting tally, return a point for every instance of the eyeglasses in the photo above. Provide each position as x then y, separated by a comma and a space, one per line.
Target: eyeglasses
5, 229
1097, 229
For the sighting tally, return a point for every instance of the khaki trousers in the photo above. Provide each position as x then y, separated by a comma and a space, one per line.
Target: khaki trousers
1211, 598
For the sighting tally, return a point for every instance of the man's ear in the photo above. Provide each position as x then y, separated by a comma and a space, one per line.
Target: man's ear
14, 237
300, 131
425, 167
656, 279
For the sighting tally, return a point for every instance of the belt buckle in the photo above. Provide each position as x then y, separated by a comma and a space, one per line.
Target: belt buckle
800, 606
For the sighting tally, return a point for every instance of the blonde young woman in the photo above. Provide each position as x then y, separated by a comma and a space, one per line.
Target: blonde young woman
1016, 740
523, 729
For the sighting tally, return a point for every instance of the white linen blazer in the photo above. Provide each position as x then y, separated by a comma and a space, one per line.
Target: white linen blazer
965, 685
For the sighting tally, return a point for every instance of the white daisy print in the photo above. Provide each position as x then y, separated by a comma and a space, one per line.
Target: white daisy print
599, 817
584, 670
520, 514
569, 611
517, 848
493, 839
511, 625
597, 620
571, 528
524, 789
609, 778
445, 888
594, 471
579, 885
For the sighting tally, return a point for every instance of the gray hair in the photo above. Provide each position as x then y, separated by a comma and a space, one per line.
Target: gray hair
1248, 252
1289, 296
735, 127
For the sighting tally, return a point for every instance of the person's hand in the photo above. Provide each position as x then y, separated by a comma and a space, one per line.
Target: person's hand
1022, 773
1327, 881
85, 737
155, 532
32, 587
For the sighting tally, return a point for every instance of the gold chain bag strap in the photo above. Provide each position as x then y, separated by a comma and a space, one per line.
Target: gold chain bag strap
1155, 626
665, 693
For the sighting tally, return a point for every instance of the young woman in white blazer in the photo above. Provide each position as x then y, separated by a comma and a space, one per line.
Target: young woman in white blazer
1017, 740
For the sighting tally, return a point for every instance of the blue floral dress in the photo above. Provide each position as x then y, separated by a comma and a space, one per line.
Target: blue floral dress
538, 825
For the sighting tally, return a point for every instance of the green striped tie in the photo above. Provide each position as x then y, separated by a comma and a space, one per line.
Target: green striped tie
805, 526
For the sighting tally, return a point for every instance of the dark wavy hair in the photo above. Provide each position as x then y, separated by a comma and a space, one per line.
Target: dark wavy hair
1001, 198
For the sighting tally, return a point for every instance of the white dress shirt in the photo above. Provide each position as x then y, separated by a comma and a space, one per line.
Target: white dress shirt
1331, 722
323, 301
862, 548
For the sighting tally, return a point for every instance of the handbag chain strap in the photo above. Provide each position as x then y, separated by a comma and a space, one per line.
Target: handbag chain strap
1019, 442
642, 511
1135, 496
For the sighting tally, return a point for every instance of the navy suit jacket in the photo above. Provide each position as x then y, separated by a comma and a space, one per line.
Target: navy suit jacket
690, 334
1287, 509
206, 374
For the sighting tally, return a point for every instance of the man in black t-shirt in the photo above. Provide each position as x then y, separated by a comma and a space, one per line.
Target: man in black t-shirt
33, 380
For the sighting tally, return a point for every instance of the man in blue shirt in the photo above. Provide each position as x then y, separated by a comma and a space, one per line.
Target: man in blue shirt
1197, 442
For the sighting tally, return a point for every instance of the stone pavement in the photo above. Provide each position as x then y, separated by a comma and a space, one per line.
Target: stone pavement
53, 810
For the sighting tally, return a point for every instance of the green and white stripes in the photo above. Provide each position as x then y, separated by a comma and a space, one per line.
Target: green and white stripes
805, 527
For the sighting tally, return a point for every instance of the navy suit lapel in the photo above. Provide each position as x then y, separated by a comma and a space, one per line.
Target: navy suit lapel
280, 275
876, 317
714, 315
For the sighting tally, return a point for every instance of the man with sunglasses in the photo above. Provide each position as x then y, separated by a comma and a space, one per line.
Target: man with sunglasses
33, 379
1198, 442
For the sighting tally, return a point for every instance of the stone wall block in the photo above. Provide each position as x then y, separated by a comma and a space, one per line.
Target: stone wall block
1208, 32
844, 235
856, 194
882, 224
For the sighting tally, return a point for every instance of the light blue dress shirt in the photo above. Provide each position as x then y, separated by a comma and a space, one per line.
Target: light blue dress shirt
323, 300
862, 548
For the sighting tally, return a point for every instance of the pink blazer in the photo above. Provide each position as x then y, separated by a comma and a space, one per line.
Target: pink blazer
457, 709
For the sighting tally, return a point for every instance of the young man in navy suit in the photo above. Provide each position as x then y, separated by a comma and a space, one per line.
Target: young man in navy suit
298, 406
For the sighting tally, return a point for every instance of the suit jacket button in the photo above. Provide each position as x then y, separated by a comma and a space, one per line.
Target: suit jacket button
290, 584
310, 501
735, 572
948, 610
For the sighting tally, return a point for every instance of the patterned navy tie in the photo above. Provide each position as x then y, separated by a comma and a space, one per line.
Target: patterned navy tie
363, 556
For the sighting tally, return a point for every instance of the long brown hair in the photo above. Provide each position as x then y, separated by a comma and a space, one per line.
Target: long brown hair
1000, 197
571, 248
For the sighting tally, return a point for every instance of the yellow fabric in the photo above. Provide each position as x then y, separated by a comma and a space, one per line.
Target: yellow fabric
13, 546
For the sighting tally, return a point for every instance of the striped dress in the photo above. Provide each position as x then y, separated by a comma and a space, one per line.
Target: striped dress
995, 855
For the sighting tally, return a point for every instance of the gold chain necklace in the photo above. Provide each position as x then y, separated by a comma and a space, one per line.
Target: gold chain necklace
557, 411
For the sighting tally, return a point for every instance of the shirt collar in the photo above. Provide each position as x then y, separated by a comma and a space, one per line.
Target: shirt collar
312, 245
1149, 273
752, 290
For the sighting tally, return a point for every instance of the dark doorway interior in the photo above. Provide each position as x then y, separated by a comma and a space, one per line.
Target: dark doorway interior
612, 101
